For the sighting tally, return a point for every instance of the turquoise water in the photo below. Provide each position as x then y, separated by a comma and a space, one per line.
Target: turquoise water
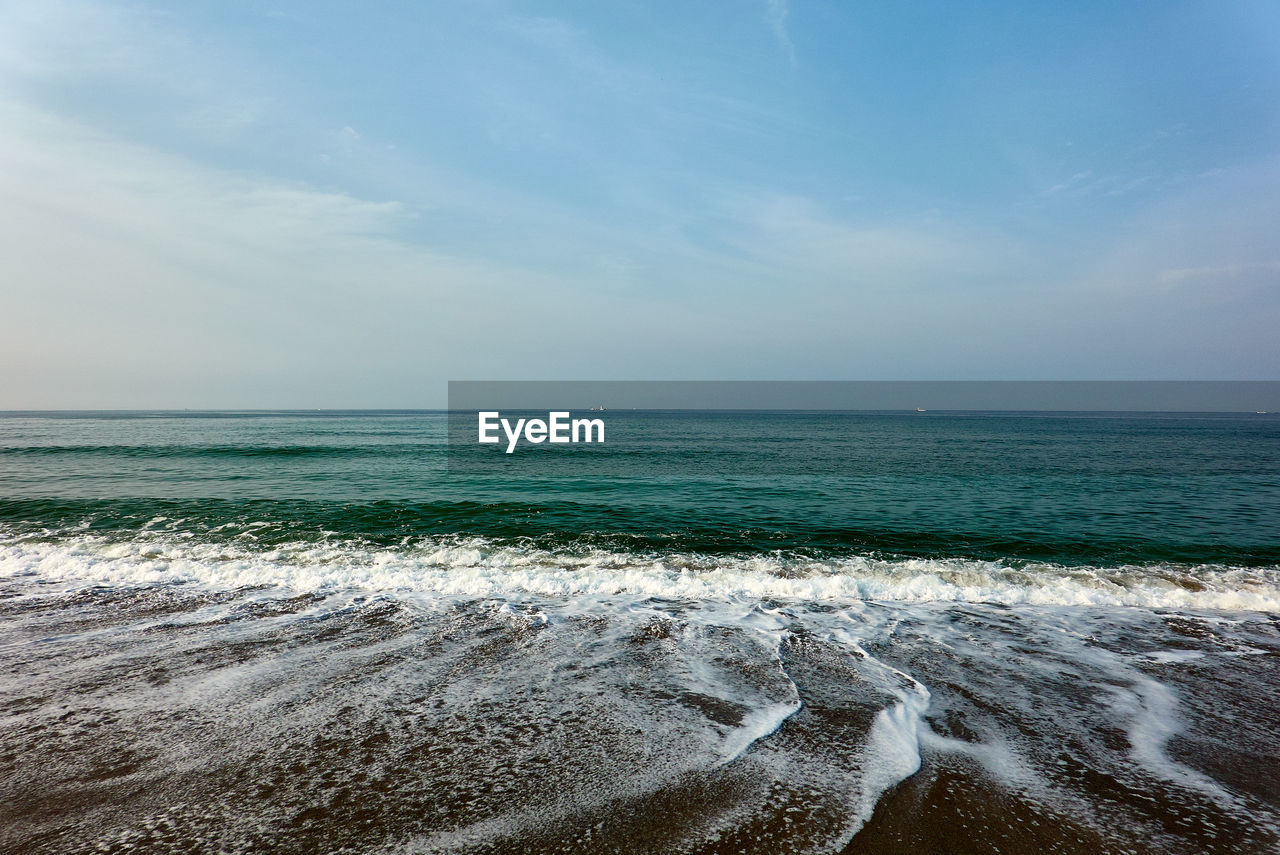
1063, 488
717, 633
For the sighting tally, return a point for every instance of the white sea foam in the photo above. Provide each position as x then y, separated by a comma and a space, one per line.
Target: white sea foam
474, 567
756, 725
766, 719
1152, 710
892, 751
654, 666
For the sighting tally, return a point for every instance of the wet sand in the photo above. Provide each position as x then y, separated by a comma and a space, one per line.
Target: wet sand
179, 719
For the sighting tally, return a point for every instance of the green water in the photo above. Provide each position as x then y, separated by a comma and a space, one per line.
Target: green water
1066, 488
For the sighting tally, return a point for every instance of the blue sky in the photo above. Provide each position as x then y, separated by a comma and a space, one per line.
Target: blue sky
321, 204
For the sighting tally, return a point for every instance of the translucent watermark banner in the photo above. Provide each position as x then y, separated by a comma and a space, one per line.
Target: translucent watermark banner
796, 427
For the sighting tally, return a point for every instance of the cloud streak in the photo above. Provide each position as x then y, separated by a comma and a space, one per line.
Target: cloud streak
776, 13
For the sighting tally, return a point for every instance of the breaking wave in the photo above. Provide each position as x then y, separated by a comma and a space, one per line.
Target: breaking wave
473, 566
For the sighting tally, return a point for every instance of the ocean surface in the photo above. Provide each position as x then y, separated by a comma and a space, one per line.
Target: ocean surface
731, 633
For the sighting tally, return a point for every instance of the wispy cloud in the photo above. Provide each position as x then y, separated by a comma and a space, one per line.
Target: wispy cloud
1218, 272
776, 13
218, 227
795, 234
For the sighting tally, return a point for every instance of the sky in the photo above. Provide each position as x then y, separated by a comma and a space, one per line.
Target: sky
314, 204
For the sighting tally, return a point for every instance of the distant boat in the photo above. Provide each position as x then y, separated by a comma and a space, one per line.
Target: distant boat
1260, 412
599, 409
921, 410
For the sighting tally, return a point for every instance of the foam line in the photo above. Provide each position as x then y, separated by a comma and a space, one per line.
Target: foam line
474, 568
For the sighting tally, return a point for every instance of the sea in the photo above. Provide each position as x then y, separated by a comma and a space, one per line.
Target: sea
738, 632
